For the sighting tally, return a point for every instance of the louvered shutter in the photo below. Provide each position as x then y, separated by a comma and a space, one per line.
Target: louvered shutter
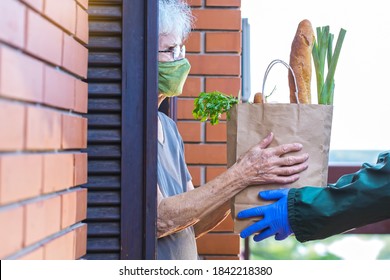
122, 129
104, 125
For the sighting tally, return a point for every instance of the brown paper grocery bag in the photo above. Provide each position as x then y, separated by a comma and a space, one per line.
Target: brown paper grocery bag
308, 124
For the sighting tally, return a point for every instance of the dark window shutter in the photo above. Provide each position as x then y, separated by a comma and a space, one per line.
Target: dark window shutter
121, 184
104, 129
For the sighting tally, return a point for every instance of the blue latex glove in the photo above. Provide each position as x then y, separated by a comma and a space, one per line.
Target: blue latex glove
275, 218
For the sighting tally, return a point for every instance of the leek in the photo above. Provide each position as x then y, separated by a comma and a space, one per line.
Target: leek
323, 50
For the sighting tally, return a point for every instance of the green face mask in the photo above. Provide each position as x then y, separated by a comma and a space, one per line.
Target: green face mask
172, 75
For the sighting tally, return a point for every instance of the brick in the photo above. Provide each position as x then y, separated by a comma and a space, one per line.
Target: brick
80, 168
223, 42
84, 136
192, 87
216, 133
74, 132
205, 153
75, 57
226, 225
184, 109
81, 96
195, 172
43, 38
20, 177
190, 131
215, 64
223, 3
37, 254
80, 241
59, 88
83, 3
68, 208
229, 86
12, 22
64, 14
81, 213
58, 172
193, 43
217, 19
228, 244
43, 218
213, 171
35, 4
11, 233
194, 3
43, 129
82, 27
16, 67
74, 206
61, 248
12, 118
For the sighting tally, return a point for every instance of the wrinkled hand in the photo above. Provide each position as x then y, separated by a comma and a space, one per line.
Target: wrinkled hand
275, 217
262, 165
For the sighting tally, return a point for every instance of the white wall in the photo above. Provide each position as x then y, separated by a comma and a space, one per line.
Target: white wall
362, 93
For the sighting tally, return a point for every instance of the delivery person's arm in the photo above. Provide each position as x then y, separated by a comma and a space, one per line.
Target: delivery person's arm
315, 213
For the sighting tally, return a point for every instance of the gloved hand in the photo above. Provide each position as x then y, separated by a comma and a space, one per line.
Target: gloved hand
275, 218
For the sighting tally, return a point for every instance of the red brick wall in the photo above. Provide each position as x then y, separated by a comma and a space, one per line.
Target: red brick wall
214, 51
42, 131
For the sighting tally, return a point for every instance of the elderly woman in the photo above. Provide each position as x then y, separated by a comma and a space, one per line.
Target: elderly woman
185, 213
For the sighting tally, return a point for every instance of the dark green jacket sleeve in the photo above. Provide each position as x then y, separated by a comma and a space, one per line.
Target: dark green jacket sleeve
355, 200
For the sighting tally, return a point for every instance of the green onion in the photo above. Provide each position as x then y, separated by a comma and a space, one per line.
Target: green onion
323, 49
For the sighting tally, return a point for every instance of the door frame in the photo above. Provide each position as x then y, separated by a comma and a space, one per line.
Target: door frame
139, 129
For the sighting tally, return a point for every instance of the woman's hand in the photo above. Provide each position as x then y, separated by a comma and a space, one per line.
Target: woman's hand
262, 165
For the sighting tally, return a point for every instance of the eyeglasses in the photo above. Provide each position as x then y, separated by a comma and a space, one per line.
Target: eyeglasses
178, 52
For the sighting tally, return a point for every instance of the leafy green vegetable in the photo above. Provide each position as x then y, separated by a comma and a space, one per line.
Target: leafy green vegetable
212, 105
323, 49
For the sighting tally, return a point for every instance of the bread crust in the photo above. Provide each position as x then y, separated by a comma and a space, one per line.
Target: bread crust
300, 62
258, 98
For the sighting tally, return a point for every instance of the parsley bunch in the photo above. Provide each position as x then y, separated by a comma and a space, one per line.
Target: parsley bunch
212, 105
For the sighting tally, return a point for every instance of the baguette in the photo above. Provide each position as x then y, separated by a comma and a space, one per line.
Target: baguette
300, 62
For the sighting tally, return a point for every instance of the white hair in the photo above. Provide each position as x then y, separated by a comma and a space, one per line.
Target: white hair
175, 17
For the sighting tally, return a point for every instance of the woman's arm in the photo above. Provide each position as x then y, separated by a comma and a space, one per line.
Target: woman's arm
215, 218
260, 165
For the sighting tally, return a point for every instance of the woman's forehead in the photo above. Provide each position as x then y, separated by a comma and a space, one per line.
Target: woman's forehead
167, 40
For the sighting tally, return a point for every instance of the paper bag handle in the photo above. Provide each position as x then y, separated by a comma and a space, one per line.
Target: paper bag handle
273, 62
